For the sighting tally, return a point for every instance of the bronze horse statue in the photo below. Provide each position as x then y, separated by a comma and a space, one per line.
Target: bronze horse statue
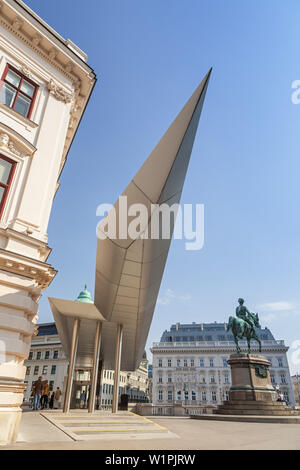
244, 329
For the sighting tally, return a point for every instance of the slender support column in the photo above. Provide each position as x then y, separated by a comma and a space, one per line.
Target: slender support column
117, 368
95, 367
71, 365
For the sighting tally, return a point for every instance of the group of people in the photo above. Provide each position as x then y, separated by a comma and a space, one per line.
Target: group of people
42, 397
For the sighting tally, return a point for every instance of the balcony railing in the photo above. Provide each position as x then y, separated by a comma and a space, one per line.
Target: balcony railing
213, 344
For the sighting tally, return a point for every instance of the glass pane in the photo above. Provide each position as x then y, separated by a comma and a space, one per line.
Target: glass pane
7, 94
13, 78
22, 105
1, 193
27, 88
5, 168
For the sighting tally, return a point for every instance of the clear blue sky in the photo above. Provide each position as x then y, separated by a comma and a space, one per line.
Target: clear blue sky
149, 56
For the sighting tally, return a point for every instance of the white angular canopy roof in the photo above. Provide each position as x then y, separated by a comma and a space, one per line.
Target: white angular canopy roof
129, 271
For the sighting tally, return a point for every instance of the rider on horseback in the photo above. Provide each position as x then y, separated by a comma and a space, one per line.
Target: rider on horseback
242, 312
243, 326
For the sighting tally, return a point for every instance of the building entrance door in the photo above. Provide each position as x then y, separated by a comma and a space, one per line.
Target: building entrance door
81, 394
81, 389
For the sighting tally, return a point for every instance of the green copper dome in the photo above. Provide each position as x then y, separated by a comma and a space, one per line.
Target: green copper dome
85, 296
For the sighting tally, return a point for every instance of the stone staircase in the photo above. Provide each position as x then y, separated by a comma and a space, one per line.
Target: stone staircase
80, 425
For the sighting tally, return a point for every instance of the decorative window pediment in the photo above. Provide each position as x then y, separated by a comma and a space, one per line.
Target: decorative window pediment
13, 143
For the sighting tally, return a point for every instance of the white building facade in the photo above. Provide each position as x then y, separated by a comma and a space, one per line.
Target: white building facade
45, 84
190, 364
134, 384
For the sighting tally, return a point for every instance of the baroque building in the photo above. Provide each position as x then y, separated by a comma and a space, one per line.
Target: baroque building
190, 365
45, 84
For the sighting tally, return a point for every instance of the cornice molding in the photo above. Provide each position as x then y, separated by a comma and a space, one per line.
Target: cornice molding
42, 273
73, 71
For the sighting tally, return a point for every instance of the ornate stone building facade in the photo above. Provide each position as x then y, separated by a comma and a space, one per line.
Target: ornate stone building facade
45, 84
190, 365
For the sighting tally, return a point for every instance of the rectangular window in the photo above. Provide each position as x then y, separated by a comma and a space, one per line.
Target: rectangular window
282, 377
169, 362
36, 370
47, 354
214, 395
192, 363
169, 379
193, 395
211, 363
178, 362
30, 356
38, 355
45, 370
160, 394
225, 363
160, 379
28, 370
170, 395
201, 363
159, 362
226, 378
203, 396
17, 91
7, 168
55, 354
186, 395
185, 362
280, 364
212, 379
53, 370
179, 395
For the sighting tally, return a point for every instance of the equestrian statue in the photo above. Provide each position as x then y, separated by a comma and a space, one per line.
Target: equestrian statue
243, 326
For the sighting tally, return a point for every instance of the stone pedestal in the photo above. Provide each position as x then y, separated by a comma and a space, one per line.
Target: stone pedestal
251, 392
250, 378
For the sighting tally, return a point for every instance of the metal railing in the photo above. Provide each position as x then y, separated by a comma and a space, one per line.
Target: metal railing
213, 344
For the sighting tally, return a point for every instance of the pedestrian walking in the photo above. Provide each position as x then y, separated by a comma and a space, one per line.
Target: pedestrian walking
51, 401
57, 396
45, 392
82, 399
37, 389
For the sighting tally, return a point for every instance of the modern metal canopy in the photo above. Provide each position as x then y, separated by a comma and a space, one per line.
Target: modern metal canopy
129, 271
65, 312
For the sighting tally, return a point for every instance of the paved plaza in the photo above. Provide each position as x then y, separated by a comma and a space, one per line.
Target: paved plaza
127, 431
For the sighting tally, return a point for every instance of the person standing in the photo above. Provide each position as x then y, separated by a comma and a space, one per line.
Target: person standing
37, 393
51, 402
45, 392
57, 396
82, 399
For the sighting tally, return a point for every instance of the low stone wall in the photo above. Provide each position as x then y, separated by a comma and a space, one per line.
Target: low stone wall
147, 409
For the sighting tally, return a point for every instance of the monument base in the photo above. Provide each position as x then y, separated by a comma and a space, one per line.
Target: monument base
252, 392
